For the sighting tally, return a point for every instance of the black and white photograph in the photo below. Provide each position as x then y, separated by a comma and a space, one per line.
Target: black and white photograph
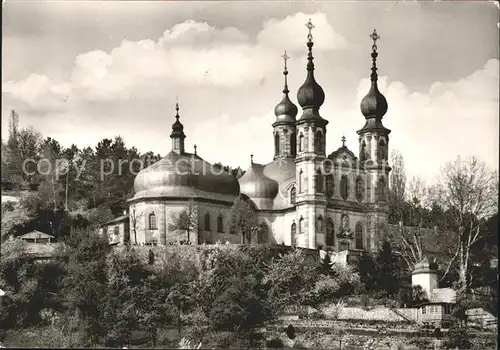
250, 174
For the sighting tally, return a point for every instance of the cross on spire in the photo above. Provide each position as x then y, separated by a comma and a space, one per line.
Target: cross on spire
310, 26
343, 141
374, 36
285, 58
177, 110
251, 158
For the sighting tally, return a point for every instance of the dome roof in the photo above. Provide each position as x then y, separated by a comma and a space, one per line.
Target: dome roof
185, 175
256, 185
310, 94
177, 127
374, 103
285, 111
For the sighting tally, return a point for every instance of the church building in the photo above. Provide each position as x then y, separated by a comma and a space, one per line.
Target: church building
305, 197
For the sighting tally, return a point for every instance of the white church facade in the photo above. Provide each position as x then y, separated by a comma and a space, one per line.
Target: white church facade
305, 197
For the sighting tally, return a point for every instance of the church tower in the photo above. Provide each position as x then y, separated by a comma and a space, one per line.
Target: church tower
284, 126
177, 134
311, 132
373, 154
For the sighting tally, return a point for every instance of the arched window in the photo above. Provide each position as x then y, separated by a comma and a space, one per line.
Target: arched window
152, 221
360, 189
329, 185
318, 144
330, 234
263, 234
362, 153
382, 154
207, 222
116, 231
301, 225
381, 195
344, 187
301, 143
293, 144
220, 223
319, 181
319, 224
293, 195
301, 179
294, 234
276, 144
358, 235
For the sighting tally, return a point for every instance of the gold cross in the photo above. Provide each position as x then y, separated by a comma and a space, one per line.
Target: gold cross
343, 141
310, 26
285, 58
374, 36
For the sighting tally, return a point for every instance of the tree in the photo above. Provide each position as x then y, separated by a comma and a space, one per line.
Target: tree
368, 272
398, 178
468, 192
185, 220
289, 281
134, 222
388, 270
86, 282
243, 219
179, 297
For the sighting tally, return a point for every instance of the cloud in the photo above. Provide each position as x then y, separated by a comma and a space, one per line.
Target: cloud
451, 118
290, 32
190, 54
37, 93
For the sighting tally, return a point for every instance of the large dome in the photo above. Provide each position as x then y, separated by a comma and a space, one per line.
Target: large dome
256, 185
185, 175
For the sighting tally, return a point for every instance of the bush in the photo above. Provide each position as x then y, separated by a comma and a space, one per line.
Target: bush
275, 343
458, 337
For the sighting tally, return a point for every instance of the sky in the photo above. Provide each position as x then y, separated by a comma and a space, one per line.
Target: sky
81, 71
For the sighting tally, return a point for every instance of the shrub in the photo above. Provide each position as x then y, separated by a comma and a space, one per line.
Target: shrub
458, 337
275, 343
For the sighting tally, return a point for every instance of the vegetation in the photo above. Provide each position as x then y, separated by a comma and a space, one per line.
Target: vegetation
90, 295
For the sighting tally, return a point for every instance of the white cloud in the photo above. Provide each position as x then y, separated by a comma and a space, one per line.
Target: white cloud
190, 54
290, 33
37, 92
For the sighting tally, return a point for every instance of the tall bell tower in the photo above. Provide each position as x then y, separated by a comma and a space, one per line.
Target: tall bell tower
284, 127
311, 132
373, 153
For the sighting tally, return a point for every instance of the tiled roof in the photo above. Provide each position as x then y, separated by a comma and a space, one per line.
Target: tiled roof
443, 295
118, 219
36, 235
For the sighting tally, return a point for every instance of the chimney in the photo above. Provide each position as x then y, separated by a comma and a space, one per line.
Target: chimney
125, 212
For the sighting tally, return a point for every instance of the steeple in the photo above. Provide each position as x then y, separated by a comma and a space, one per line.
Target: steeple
285, 111
374, 105
310, 95
177, 134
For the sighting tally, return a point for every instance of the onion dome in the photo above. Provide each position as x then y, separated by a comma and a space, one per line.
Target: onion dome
374, 104
185, 176
256, 185
177, 127
310, 94
285, 111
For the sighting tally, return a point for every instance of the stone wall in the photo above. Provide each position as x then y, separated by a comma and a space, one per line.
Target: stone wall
377, 314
